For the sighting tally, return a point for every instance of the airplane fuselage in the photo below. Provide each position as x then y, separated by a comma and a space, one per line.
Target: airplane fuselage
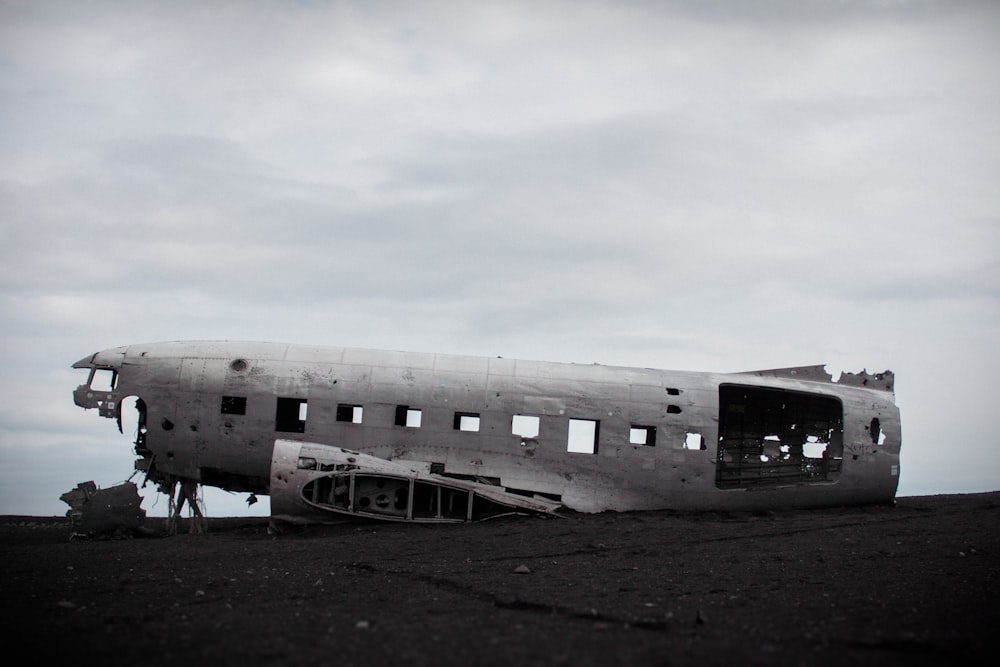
589, 437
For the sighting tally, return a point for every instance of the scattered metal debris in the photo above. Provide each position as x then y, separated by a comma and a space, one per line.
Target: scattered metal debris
111, 512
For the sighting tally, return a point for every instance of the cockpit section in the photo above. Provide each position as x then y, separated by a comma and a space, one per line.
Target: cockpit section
99, 389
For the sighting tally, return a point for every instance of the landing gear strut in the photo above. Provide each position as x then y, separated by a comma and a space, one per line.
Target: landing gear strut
186, 490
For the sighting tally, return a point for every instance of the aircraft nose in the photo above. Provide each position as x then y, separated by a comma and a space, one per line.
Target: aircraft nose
110, 359
98, 390
86, 362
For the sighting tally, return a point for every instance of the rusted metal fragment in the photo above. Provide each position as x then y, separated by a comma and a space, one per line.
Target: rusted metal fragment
78, 496
114, 511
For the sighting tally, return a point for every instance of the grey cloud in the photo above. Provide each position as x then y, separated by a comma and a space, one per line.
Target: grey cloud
698, 185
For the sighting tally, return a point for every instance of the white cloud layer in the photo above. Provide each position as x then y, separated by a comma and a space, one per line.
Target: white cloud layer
695, 185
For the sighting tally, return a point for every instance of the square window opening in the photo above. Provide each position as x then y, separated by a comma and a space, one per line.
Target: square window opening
466, 421
349, 413
694, 441
234, 405
642, 435
407, 416
290, 415
525, 426
583, 436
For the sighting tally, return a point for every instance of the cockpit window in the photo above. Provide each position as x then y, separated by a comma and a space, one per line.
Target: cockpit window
103, 379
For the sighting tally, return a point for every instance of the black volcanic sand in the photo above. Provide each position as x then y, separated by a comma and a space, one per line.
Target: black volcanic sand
917, 583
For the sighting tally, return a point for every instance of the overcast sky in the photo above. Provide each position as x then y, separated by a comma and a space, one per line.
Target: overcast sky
692, 185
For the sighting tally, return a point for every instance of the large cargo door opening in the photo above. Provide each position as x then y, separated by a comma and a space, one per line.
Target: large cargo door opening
773, 437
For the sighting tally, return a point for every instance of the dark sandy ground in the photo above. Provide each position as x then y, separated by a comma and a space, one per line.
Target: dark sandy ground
917, 583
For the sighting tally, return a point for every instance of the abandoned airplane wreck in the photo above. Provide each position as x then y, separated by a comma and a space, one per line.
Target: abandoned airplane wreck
333, 432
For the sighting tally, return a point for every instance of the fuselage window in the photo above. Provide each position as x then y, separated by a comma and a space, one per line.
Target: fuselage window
642, 435
466, 421
694, 441
349, 413
583, 436
407, 416
234, 405
290, 416
525, 426
875, 430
